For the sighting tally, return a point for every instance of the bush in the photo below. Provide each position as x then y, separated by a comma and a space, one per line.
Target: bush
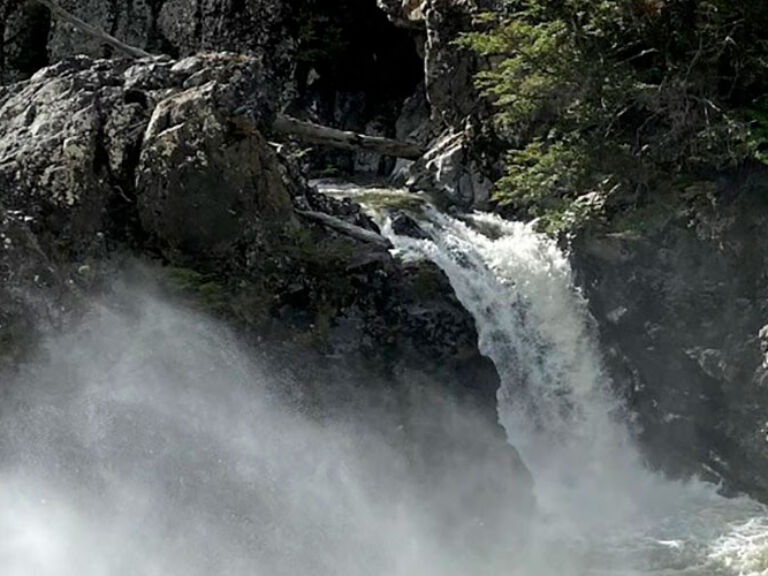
626, 99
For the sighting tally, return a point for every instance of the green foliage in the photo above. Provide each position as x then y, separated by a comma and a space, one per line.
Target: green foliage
204, 289
622, 98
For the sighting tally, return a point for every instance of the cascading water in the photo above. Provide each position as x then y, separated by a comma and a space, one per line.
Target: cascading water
601, 510
148, 442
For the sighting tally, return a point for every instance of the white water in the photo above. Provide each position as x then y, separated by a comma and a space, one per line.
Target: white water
601, 510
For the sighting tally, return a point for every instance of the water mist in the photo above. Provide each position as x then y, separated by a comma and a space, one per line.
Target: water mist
148, 441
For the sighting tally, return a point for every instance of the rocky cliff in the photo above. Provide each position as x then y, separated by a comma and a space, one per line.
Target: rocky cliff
678, 295
106, 162
31, 38
681, 306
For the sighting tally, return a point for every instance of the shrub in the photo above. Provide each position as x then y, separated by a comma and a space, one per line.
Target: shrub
626, 99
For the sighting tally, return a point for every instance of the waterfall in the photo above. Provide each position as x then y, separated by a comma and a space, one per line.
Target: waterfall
148, 440
601, 510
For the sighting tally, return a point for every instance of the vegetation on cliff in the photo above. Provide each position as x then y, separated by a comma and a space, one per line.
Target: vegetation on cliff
623, 103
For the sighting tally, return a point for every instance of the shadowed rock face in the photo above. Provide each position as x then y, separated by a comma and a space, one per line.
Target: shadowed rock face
72, 137
680, 310
167, 161
24, 28
31, 38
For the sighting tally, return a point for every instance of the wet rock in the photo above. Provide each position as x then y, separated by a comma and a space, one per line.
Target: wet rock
405, 225
36, 295
691, 339
449, 172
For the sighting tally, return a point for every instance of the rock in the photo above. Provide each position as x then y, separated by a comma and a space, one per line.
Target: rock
763, 335
412, 122
449, 69
172, 27
370, 162
448, 171
691, 338
405, 13
72, 133
52, 161
206, 179
405, 225
35, 294
167, 159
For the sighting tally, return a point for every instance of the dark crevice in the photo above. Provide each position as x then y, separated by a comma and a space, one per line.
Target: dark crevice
24, 29
156, 40
198, 34
122, 217
354, 70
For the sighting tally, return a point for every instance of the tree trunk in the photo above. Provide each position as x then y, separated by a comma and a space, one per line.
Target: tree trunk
325, 136
367, 236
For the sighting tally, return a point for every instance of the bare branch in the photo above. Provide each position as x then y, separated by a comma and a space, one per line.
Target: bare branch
367, 236
93, 31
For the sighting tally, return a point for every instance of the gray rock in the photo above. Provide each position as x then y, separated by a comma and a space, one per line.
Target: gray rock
172, 27
167, 159
450, 173
36, 295
405, 225
691, 337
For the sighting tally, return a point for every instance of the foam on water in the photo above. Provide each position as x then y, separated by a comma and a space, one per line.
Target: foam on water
602, 511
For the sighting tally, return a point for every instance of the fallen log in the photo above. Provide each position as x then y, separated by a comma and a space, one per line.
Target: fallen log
335, 138
367, 236
93, 31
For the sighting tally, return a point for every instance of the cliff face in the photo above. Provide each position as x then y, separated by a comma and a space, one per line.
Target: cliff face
460, 163
679, 300
167, 161
682, 307
172, 27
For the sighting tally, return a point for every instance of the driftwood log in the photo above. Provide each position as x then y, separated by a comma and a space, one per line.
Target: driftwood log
335, 138
367, 236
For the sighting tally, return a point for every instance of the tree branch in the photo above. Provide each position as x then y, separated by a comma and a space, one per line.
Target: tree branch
93, 31
367, 236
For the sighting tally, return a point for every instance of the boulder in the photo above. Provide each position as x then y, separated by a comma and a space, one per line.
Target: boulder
207, 179
72, 134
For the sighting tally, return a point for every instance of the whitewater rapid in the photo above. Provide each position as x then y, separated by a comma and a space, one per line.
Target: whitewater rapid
601, 511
